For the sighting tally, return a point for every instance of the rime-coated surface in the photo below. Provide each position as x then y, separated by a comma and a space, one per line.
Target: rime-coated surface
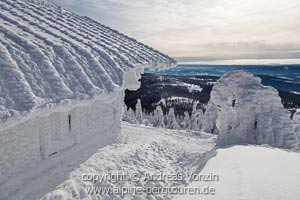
49, 55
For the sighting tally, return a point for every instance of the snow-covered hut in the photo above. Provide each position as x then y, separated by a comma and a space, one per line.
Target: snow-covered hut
61, 81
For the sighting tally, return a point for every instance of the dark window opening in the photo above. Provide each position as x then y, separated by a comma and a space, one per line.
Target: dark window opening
52, 154
233, 102
255, 124
70, 122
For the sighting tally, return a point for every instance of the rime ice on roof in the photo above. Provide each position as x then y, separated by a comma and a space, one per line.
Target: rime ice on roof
48, 55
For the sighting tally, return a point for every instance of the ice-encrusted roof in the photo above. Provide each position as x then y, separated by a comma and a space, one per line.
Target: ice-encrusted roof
48, 55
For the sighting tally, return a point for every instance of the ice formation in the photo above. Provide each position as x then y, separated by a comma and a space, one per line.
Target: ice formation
242, 110
49, 56
62, 81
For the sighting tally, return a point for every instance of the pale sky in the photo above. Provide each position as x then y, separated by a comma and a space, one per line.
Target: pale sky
212, 29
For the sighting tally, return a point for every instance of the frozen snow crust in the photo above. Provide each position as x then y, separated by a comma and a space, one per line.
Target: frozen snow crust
252, 173
242, 110
49, 55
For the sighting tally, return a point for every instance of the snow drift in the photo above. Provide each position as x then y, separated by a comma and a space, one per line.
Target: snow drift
242, 110
252, 172
146, 150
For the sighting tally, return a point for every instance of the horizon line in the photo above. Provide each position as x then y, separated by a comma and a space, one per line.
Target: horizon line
196, 60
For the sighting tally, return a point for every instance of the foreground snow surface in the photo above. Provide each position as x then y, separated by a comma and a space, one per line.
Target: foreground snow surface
252, 172
142, 150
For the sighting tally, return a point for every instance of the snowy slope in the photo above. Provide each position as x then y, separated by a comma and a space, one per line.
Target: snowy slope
252, 172
144, 149
49, 55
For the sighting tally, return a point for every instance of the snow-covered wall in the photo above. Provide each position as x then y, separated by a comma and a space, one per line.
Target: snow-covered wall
45, 134
62, 80
242, 110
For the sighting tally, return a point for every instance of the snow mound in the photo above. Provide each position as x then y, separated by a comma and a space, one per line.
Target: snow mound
242, 110
49, 55
251, 172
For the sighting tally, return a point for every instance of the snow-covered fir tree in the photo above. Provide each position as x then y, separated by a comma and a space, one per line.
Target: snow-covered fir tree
197, 117
194, 124
179, 120
149, 118
244, 111
296, 120
139, 112
171, 120
200, 118
158, 118
186, 124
